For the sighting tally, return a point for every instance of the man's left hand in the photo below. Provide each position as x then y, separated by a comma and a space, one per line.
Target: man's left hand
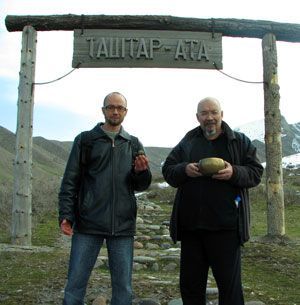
141, 163
224, 174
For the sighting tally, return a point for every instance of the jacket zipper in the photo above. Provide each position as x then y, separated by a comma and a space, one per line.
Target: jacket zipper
113, 190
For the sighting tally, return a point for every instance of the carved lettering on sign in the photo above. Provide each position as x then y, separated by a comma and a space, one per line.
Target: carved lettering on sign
116, 48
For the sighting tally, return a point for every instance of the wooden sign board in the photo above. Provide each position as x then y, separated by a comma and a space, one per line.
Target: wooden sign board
143, 48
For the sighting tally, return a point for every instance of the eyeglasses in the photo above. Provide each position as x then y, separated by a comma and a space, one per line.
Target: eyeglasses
113, 108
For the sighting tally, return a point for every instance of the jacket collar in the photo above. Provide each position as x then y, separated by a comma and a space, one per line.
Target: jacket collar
228, 131
124, 134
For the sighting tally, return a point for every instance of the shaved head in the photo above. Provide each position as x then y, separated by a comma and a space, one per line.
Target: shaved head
210, 115
208, 100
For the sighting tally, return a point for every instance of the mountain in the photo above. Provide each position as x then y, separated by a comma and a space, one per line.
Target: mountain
49, 156
49, 159
290, 136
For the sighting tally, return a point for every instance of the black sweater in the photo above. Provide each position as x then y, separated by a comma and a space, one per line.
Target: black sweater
247, 172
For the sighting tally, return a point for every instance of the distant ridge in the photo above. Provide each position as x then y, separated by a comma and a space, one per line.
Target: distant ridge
53, 154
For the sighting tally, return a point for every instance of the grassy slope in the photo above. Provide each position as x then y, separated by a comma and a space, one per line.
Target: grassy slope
6, 162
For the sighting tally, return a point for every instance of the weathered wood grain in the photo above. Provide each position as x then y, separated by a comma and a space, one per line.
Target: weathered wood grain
228, 27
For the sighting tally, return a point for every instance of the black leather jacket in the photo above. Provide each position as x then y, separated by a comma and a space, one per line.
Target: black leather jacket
101, 200
247, 173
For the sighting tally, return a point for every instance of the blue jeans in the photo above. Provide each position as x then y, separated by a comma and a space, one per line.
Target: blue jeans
84, 252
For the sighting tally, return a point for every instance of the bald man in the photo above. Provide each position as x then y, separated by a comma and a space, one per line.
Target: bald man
211, 213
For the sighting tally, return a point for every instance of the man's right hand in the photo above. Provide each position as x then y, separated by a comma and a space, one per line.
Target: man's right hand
66, 227
192, 170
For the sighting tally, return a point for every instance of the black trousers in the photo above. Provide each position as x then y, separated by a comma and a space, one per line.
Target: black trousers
219, 250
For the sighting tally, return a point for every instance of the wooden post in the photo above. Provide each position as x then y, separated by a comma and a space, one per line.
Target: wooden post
274, 180
21, 212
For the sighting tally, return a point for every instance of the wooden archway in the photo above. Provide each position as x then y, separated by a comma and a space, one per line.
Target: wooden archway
268, 31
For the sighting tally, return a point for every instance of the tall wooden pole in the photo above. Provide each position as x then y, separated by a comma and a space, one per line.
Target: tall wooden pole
21, 213
274, 180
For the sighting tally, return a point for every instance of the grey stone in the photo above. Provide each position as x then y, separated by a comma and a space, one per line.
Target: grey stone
138, 245
101, 300
165, 246
155, 267
148, 302
153, 227
213, 302
152, 246
170, 267
170, 258
211, 291
175, 302
143, 237
139, 220
165, 232
138, 267
144, 259
174, 250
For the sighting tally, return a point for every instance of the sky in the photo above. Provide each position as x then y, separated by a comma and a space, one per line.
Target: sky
162, 103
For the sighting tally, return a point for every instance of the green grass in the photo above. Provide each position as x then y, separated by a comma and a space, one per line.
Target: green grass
46, 231
259, 220
50, 169
5, 178
292, 221
28, 277
271, 271
25, 275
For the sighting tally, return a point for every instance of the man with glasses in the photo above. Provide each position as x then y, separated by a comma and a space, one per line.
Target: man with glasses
97, 202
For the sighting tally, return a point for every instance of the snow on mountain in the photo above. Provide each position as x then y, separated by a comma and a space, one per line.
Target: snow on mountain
291, 162
296, 141
290, 135
253, 130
